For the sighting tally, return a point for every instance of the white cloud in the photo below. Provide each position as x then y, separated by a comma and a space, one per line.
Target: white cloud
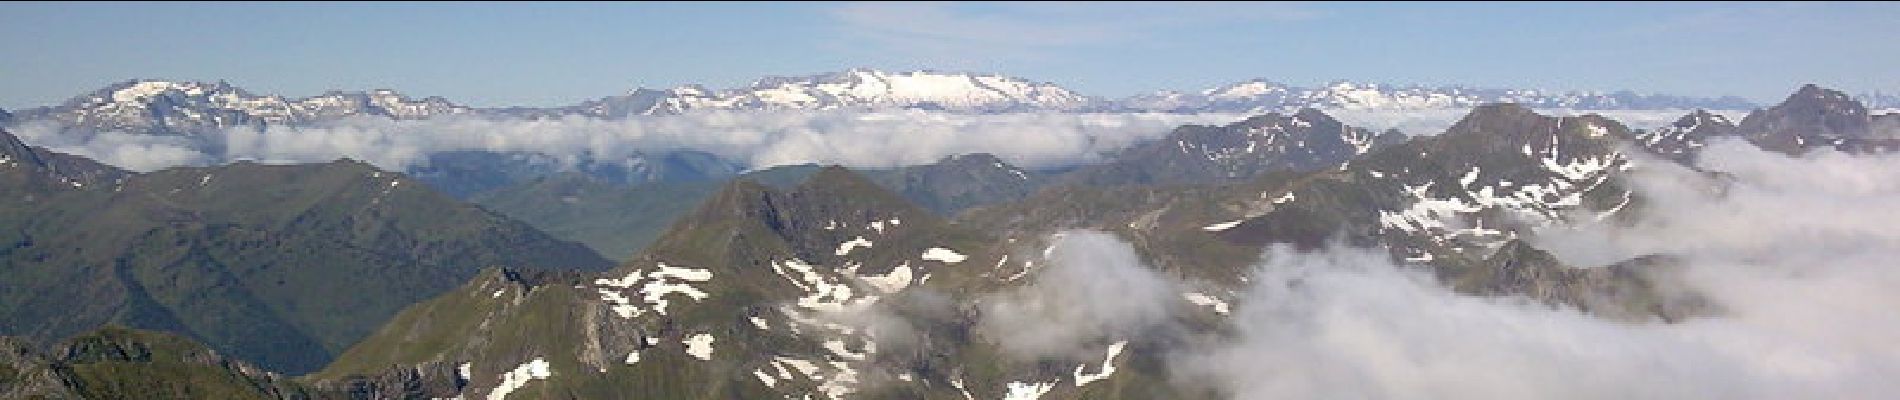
1094, 288
757, 139
129, 151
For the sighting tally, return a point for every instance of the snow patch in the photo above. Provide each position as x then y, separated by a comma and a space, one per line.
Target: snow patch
1223, 226
700, 346
958, 383
664, 280
765, 378
898, 279
943, 254
515, 379
1199, 299
1028, 391
847, 246
1108, 366
1285, 198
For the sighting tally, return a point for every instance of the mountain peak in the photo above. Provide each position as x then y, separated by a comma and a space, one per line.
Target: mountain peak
1510, 118
1510, 127
1681, 140
1247, 89
1811, 96
1306, 140
840, 183
141, 90
1812, 116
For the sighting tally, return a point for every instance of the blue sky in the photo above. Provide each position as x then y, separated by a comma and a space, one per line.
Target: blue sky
541, 54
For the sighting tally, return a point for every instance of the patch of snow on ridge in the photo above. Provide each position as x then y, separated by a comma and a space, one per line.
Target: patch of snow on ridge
1223, 226
1108, 366
898, 279
515, 379
1220, 307
663, 281
765, 378
691, 274
847, 246
1028, 391
958, 383
943, 254
700, 346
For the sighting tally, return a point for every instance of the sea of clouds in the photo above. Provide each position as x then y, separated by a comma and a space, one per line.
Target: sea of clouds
755, 139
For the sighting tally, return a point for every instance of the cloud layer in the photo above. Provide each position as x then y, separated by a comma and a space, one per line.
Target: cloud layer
1798, 253
755, 139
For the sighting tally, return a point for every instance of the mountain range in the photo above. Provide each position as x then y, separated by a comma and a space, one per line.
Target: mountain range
802, 281
170, 107
617, 219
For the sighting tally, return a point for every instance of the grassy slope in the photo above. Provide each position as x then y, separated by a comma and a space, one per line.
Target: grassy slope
252, 258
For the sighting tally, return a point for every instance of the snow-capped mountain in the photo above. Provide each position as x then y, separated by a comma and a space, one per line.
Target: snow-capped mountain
925, 89
167, 107
172, 107
852, 89
1260, 95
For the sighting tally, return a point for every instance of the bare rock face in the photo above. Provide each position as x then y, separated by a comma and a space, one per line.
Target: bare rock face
432, 380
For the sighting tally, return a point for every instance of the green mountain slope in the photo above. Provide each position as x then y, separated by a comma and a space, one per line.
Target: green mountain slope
281, 265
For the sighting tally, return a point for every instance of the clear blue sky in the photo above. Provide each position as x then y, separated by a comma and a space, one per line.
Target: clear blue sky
539, 54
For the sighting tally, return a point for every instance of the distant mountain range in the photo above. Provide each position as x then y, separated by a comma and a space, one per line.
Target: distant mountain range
192, 109
167, 107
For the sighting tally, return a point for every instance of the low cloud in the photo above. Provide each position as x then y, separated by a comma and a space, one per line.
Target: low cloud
756, 139
1094, 288
129, 151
